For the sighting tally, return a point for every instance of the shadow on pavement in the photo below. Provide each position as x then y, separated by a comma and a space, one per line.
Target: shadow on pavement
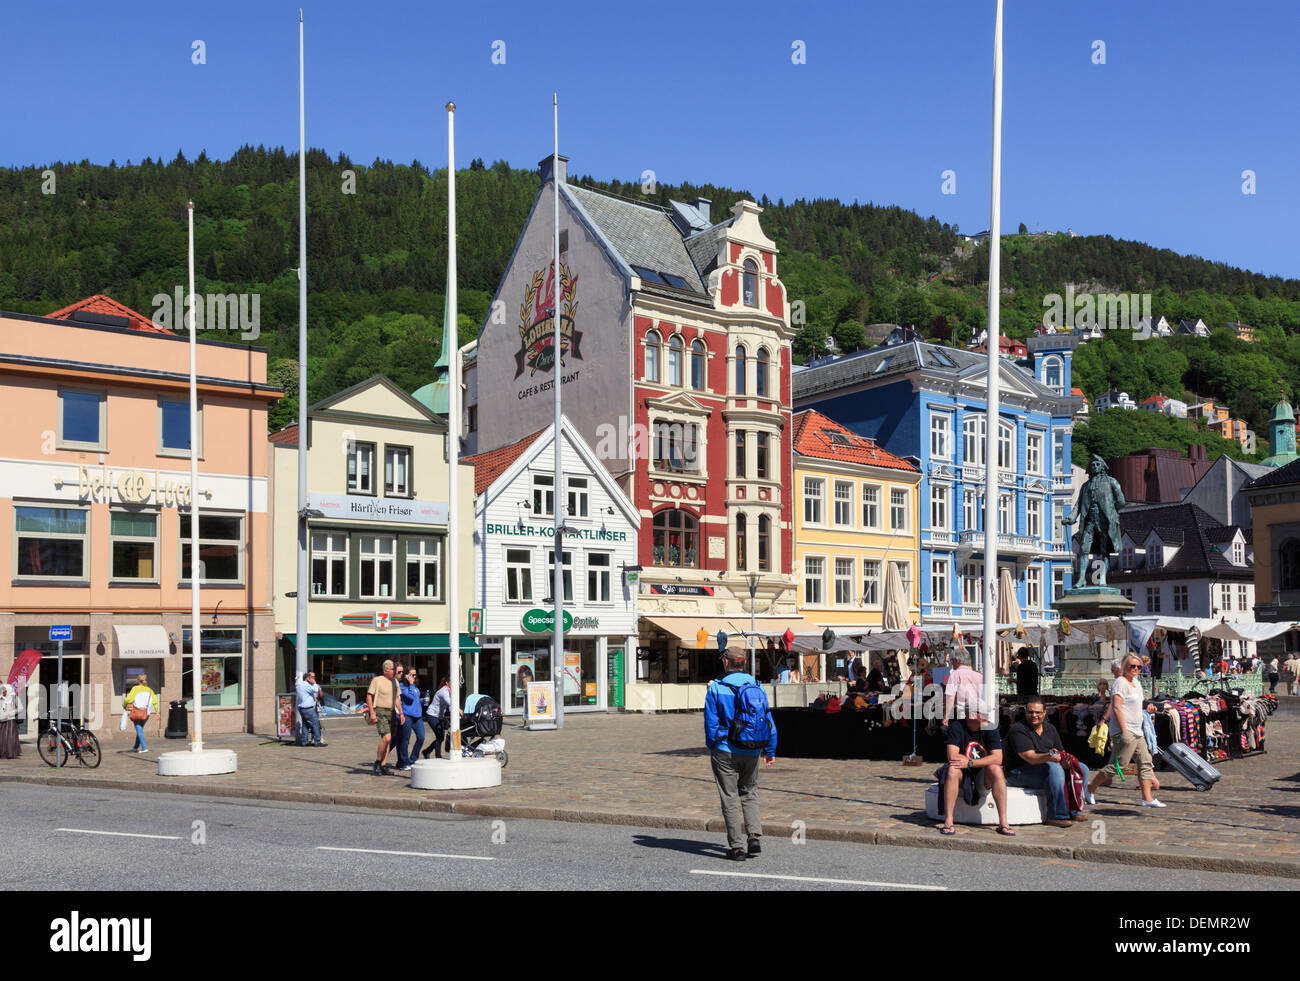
703, 848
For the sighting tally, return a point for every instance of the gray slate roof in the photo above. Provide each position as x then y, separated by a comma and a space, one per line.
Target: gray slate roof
703, 247
1289, 474
1196, 528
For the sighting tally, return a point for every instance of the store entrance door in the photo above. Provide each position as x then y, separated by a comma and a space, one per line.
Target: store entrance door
489, 672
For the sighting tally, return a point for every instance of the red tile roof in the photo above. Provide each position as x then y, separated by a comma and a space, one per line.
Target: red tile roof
492, 464
99, 303
812, 437
1079, 392
1157, 400
288, 436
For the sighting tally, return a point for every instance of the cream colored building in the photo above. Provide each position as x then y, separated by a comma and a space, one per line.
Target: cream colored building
378, 491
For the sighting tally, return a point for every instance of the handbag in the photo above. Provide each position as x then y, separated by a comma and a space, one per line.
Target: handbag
139, 714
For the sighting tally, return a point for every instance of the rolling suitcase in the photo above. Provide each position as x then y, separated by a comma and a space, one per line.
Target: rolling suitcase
1190, 764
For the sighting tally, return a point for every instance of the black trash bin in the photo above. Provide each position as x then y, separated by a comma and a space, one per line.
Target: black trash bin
178, 721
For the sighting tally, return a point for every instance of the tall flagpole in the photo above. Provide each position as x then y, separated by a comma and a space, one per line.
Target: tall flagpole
453, 439
301, 659
557, 656
196, 567
991, 416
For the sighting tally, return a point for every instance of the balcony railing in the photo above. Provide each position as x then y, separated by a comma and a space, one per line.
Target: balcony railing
1008, 544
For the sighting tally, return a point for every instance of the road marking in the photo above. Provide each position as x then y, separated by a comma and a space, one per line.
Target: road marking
809, 878
380, 851
118, 834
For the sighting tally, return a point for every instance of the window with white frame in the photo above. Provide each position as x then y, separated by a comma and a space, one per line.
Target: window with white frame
52, 542
898, 510
1060, 463
1155, 554
1180, 599
812, 501
844, 503
1006, 446
82, 419
378, 563
970, 509
749, 283
975, 433
329, 563
1059, 533
1034, 517
814, 569
870, 582
764, 543
1006, 514
676, 356
567, 572
905, 574
676, 447
1225, 599
741, 470
940, 436
1128, 594
761, 372
1034, 452
870, 505
1153, 599
843, 582
598, 566
652, 356
698, 356
544, 494
575, 488
1238, 553
519, 575
397, 471
1054, 374
221, 552
1127, 556
361, 468
1034, 588
133, 538
741, 357
742, 541
1058, 583
1241, 598
761, 469
174, 427
938, 580
972, 583
424, 568
939, 507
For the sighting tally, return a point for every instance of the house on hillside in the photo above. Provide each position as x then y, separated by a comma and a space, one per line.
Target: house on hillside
1243, 332
1081, 413
1162, 403
1193, 328
1213, 415
1157, 327
1113, 399
1008, 347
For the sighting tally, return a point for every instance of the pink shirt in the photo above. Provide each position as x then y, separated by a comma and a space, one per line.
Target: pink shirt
968, 686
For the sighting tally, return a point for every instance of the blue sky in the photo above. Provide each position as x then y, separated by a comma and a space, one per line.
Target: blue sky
1150, 145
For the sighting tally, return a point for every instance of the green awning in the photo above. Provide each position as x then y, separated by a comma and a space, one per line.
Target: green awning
385, 642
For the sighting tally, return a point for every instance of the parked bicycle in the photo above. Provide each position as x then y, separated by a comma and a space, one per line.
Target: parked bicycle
72, 739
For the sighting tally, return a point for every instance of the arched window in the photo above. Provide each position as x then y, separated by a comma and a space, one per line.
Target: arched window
760, 372
750, 283
741, 357
698, 358
740, 541
676, 355
1288, 576
1052, 374
676, 539
764, 546
652, 356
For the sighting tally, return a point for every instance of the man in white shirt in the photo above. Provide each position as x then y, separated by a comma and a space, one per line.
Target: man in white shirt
962, 692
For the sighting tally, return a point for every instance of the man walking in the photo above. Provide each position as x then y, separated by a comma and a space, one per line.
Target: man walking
382, 703
738, 728
309, 710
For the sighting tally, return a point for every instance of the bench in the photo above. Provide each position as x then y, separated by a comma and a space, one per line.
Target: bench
1023, 807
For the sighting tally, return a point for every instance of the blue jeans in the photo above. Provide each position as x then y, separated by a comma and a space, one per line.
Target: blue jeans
1049, 775
310, 723
412, 727
404, 739
139, 737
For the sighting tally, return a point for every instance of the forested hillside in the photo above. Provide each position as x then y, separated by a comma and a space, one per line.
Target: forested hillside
377, 260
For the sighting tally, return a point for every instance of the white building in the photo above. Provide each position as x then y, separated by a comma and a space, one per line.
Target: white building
514, 527
1163, 403
1114, 400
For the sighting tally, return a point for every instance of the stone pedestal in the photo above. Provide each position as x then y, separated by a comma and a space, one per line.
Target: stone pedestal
456, 773
1089, 603
197, 763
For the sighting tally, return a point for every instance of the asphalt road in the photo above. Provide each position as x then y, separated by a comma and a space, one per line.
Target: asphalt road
64, 839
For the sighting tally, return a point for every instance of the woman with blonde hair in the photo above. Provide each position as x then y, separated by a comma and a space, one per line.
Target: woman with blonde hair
140, 703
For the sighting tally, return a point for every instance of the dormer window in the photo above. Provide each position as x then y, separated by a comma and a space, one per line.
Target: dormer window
1238, 553
749, 283
1155, 555
1128, 559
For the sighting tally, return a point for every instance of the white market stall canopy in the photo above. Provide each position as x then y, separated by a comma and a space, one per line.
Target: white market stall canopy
1254, 632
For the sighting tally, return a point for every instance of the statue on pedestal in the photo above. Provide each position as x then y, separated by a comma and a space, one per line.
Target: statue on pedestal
1100, 502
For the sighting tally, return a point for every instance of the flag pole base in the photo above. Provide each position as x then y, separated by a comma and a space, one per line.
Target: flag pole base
197, 763
474, 773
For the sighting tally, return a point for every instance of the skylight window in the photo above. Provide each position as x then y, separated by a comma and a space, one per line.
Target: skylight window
838, 438
884, 363
648, 275
672, 280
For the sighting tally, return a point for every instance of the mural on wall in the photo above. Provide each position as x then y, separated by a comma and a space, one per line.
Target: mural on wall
537, 329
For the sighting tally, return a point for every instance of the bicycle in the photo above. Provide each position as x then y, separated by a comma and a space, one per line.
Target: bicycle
73, 739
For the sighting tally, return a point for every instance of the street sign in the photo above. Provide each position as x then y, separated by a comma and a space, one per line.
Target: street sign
61, 632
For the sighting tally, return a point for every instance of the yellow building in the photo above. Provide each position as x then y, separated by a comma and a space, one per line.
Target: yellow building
856, 511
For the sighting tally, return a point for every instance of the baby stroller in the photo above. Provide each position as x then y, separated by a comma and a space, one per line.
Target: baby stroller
480, 729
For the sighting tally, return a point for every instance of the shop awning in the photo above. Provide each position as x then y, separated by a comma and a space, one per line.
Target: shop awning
1254, 632
385, 642
685, 628
141, 640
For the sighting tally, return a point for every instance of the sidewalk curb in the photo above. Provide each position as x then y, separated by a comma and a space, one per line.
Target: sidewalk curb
481, 808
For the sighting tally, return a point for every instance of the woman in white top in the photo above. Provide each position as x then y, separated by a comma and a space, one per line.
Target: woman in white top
1126, 711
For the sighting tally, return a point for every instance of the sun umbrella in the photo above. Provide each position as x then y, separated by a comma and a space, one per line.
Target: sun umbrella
1008, 613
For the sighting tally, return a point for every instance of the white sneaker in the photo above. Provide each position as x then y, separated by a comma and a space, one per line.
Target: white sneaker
1150, 803
1090, 798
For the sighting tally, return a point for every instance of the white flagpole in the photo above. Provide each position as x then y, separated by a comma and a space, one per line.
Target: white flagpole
453, 439
196, 675
301, 659
557, 656
991, 417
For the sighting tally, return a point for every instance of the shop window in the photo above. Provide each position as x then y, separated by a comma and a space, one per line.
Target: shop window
51, 542
134, 542
174, 427
378, 566
329, 564
397, 471
652, 356
220, 548
761, 372
764, 543
424, 568
761, 456
567, 573
544, 494
82, 422
749, 283
698, 361
676, 539
598, 565
519, 575
361, 468
676, 355
576, 489
221, 666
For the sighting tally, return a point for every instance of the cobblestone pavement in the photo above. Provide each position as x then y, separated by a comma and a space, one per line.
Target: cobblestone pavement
651, 770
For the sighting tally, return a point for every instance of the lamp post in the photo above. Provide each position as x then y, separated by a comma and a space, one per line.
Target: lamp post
753, 589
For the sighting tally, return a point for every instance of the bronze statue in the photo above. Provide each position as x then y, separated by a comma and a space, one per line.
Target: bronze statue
1100, 502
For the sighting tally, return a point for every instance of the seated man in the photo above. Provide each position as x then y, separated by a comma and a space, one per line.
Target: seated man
974, 753
1035, 751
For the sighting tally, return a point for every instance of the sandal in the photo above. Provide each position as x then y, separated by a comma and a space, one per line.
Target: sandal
1006, 831
947, 829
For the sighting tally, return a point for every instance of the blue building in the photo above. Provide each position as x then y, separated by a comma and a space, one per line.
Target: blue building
927, 402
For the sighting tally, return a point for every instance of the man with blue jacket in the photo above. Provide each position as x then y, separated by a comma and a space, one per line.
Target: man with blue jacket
735, 767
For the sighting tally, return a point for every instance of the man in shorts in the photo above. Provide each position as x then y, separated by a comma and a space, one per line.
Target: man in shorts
385, 710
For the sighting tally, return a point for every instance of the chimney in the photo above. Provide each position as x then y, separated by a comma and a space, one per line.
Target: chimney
545, 165
702, 205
